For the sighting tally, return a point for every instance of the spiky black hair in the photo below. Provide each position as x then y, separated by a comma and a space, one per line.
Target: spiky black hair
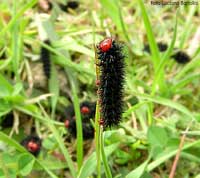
112, 73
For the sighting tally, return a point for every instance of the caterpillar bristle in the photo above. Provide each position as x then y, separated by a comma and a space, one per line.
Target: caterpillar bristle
112, 73
45, 58
162, 46
181, 57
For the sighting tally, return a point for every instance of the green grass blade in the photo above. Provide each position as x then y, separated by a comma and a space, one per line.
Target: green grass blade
151, 38
78, 119
181, 83
162, 159
124, 27
133, 108
195, 63
90, 164
187, 26
167, 102
190, 157
111, 9
105, 162
97, 139
137, 173
164, 61
15, 44
5, 87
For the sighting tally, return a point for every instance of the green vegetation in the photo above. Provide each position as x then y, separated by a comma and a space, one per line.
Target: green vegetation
161, 119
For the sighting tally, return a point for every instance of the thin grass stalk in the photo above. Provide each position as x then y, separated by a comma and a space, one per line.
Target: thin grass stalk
105, 161
97, 125
79, 136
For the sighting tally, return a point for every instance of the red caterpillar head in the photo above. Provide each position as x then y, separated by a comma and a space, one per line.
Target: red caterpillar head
67, 123
85, 110
105, 45
32, 144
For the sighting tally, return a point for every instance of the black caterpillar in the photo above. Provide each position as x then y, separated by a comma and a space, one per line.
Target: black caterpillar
69, 5
87, 112
45, 58
112, 73
181, 57
161, 46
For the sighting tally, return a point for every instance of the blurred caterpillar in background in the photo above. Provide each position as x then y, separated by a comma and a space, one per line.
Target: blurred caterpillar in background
45, 58
161, 46
87, 112
70, 5
179, 56
112, 73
